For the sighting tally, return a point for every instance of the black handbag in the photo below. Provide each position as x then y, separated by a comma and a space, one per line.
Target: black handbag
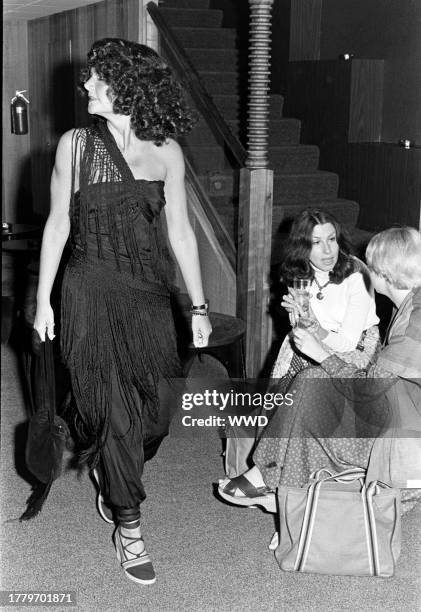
47, 432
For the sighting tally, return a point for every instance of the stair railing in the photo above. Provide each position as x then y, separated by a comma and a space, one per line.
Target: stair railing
256, 196
256, 180
221, 233
188, 74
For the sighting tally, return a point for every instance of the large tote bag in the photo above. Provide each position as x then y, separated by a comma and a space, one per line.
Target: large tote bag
338, 525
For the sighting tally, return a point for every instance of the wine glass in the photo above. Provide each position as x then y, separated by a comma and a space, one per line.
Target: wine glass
301, 288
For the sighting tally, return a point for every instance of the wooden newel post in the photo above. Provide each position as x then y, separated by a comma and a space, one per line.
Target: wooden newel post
256, 196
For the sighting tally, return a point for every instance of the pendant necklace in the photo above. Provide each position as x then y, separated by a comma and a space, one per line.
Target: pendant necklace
319, 294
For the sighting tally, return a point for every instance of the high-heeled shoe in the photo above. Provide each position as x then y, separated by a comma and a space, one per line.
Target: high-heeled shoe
137, 566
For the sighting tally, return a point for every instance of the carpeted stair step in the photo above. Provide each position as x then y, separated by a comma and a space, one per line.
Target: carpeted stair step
191, 17
212, 38
281, 132
284, 131
297, 182
346, 211
221, 82
218, 60
202, 135
232, 106
291, 189
206, 159
288, 159
182, 4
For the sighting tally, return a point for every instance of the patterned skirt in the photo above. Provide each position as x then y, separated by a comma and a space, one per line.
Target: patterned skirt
315, 431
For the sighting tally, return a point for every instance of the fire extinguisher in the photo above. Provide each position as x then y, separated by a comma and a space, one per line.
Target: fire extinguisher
19, 113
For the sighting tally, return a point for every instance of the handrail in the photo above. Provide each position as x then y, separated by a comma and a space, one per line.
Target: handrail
221, 233
188, 74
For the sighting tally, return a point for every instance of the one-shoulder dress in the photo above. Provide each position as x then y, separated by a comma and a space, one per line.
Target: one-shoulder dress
117, 332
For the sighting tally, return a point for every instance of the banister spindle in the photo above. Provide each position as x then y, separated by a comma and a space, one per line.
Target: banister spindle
259, 83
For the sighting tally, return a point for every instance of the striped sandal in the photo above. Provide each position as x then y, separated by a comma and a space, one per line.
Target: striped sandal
230, 488
137, 566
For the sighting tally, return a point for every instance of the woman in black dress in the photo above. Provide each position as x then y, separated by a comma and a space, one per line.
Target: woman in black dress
108, 187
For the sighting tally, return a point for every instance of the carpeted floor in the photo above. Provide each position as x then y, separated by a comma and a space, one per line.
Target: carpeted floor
207, 555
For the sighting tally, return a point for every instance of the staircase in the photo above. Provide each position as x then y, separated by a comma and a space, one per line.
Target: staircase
220, 57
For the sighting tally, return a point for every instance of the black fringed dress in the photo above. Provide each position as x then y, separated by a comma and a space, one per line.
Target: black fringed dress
118, 338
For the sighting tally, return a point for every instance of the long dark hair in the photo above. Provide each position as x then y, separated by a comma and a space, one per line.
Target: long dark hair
297, 249
143, 87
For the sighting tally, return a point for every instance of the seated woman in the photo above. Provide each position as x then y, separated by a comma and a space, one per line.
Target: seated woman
341, 305
341, 302
313, 433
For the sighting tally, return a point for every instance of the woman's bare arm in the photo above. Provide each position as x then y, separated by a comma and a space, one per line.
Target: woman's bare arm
181, 235
55, 235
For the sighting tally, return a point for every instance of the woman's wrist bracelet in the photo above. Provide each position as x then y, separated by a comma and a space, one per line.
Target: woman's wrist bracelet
199, 313
203, 308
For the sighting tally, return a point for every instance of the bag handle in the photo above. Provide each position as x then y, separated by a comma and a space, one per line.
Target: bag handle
369, 518
370, 526
348, 475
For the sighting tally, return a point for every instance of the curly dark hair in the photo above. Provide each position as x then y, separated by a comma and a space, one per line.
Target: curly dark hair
296, 263
143, 87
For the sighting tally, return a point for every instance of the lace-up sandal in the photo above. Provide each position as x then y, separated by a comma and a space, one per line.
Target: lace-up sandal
241, 492
137, 566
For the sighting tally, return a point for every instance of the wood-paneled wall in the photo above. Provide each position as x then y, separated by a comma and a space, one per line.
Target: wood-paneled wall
338, 100
305, 32
340, 106
16, 164
57, 48
374, 29
386, 181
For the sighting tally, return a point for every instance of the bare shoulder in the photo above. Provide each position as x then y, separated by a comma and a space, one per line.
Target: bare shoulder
171, 155
65, 146
67, 138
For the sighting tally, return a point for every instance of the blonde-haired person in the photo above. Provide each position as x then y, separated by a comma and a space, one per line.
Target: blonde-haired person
395, 255
385, 398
